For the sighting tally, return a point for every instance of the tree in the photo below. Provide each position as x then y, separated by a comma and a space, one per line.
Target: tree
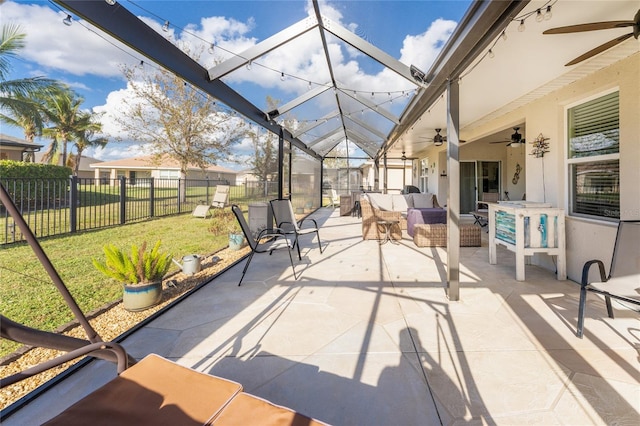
85, 137
177, 120
25, 114
264, 164
19, 98
62, 111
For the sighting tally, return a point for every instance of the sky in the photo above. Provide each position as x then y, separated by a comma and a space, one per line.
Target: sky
89, 62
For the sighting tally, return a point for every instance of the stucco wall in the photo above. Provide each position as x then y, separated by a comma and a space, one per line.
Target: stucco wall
546, 178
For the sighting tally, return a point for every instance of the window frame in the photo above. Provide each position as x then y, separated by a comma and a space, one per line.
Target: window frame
569, 162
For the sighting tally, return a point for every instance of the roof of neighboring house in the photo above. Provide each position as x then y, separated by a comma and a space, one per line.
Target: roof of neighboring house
151, 163
85, 162
6, 140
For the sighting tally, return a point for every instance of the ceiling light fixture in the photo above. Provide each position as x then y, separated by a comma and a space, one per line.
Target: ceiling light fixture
516, 139
67, 21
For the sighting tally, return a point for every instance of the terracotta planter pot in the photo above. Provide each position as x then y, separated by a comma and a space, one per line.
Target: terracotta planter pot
141, 296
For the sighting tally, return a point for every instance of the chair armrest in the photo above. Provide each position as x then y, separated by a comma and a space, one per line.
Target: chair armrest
118, 350
271, 233
587, 267
315, 224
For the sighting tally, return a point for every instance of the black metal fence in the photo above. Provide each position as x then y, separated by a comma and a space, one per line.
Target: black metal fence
59, 206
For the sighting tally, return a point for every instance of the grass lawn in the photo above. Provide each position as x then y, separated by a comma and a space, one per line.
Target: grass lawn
28, 296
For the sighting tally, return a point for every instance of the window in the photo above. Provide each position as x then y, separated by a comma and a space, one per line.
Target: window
594, 157
424, 175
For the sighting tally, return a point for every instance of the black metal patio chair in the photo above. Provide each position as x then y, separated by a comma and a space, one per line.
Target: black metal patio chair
623, 281
267, 241
286, 221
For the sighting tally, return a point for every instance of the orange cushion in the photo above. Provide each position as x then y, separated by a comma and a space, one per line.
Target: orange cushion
154, 391
246, 409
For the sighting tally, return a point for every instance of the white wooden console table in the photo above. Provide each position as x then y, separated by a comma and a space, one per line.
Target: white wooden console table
526, 228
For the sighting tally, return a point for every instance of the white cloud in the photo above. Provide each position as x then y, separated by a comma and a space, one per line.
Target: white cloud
422, 49
72, 49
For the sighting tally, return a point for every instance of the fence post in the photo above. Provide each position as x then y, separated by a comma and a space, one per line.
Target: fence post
179, 195
73, 201
123, 200
208, 200
152, 198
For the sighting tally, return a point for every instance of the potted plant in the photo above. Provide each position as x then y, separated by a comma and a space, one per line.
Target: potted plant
225, 222
140, 271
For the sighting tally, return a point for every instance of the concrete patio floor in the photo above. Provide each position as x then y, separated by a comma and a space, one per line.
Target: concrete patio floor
367, 336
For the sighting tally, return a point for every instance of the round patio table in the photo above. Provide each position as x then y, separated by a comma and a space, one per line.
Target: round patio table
387, 228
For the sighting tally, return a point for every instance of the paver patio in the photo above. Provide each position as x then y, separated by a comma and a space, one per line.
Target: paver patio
367, 336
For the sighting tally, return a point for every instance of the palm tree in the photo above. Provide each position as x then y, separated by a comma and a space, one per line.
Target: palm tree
62, 111
18, 96
84, 138
25, 113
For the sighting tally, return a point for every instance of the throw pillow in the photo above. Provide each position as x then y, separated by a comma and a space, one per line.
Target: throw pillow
422, 201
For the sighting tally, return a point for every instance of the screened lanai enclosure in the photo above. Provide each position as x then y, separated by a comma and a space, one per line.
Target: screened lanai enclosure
328, 122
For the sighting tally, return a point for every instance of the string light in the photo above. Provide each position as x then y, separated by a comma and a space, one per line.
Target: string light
281, 76
212, 48
67, 21
165, 27
249, 65
539, 16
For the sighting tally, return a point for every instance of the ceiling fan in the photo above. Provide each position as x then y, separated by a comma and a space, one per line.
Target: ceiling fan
593, 26
515, 141
438, 139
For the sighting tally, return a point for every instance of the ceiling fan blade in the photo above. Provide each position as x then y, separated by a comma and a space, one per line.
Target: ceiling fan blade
599, 49
592, 26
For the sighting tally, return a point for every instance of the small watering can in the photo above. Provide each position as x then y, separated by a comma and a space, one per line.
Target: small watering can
190, 264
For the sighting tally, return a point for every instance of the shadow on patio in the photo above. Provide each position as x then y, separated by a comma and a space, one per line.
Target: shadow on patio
367, 336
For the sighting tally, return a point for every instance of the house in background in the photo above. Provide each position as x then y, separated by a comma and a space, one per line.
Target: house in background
16, 149
84, 171
164, 168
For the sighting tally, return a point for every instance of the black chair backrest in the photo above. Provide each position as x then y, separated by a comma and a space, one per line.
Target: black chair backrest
237, 211
626, 252
283, 212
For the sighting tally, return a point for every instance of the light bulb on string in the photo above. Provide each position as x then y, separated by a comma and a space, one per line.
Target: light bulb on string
165, 27
212, 48
539, 16
491, 54
521, 27
67, 21
548, 14
249, 65
504, 35
281, 76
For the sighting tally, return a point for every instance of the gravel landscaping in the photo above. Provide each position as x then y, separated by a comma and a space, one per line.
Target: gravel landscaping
110, 322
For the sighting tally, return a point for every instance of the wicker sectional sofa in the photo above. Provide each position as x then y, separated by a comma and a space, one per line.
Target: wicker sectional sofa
377, 207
